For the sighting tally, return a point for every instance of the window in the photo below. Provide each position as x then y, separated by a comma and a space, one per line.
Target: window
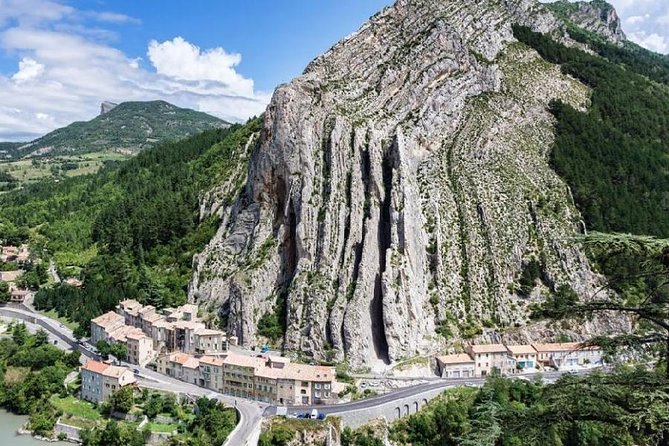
317, 386
326, 386
318, 394
327, 394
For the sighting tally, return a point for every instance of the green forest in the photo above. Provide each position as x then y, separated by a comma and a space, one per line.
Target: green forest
614, 156
132, 228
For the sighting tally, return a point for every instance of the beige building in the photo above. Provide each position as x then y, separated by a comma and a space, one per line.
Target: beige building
490, 357
140, 348
459, 365
209, 342
211, 373
103, 326
100, 380
10, 276
524, 358
567, 355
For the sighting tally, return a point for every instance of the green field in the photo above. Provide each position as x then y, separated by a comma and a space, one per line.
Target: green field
166, 428
75, 407
27, 171
54, 315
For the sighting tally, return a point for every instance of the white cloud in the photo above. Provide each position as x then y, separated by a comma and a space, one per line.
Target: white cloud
65, 72
636, 19
654, 41
28, 69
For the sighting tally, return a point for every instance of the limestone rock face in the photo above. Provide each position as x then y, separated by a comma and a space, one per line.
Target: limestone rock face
597, 16
399, 188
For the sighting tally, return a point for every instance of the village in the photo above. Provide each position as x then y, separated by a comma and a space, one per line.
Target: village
176, 342
14, 259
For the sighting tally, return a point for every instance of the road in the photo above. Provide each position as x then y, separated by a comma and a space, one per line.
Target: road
250, 412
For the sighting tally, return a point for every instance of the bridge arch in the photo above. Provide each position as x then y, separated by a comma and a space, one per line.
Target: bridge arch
398, 413
423, 403
415, 407
406, 410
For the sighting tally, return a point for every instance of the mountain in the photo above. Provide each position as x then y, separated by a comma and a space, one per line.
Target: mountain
128, 127
405, 193
596, 16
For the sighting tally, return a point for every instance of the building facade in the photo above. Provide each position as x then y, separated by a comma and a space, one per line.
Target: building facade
99, 380
459, 365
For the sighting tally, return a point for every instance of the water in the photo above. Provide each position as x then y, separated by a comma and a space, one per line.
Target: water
9, 423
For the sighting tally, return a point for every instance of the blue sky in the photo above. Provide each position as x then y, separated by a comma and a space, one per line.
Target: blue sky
60, 58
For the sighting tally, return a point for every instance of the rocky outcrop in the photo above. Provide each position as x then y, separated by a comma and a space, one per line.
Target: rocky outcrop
596, 16
400, 187
106, 107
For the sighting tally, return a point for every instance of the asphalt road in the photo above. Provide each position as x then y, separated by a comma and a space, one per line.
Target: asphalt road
250, 412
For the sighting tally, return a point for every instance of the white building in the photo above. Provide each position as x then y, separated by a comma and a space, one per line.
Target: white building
460, 365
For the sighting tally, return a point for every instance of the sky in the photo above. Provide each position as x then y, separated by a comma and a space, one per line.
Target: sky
59, 59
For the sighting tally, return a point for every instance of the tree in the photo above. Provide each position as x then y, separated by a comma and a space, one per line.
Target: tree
78, 333
643, 296
122, 400
41, 337
5, 294
20, 333
119, 351
103, 348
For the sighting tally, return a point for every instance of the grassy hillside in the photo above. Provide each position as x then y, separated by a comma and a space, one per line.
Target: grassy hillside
129, 127
133, 227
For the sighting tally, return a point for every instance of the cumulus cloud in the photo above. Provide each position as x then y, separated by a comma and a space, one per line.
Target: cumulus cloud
64, 71
28, 69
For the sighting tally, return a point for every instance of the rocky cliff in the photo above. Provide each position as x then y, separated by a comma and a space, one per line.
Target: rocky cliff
400, 188
596, 16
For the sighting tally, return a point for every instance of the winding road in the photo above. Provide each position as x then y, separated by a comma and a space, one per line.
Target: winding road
250, 412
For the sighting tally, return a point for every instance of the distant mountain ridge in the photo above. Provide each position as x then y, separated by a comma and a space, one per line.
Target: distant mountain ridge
128, 127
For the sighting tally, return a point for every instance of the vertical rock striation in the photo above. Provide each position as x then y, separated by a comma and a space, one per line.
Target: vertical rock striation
400, 186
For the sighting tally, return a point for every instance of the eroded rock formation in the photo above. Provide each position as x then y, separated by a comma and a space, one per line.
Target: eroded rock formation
399, 188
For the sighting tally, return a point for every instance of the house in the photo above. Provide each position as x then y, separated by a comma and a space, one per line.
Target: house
459, 365
9, 253
18, 295
211, 373
490, 357
567, 355
10, 276
100, 380
140, 348
103, 326
524, 357
209, 342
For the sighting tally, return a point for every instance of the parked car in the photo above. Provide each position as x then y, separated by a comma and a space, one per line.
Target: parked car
314, 414
135, 371
264, 349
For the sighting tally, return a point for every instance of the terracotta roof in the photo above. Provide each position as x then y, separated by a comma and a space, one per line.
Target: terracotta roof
488, 348
208, 332
95, 366
521, 349
191, 363
557, 347
180, 358
459, 358
308, 372
116, 372
192, 325
108, 319
137, 335
243, 360
211, 360
153, 317
122, 333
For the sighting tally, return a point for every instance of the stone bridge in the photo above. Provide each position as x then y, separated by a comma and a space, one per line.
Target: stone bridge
392, 406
